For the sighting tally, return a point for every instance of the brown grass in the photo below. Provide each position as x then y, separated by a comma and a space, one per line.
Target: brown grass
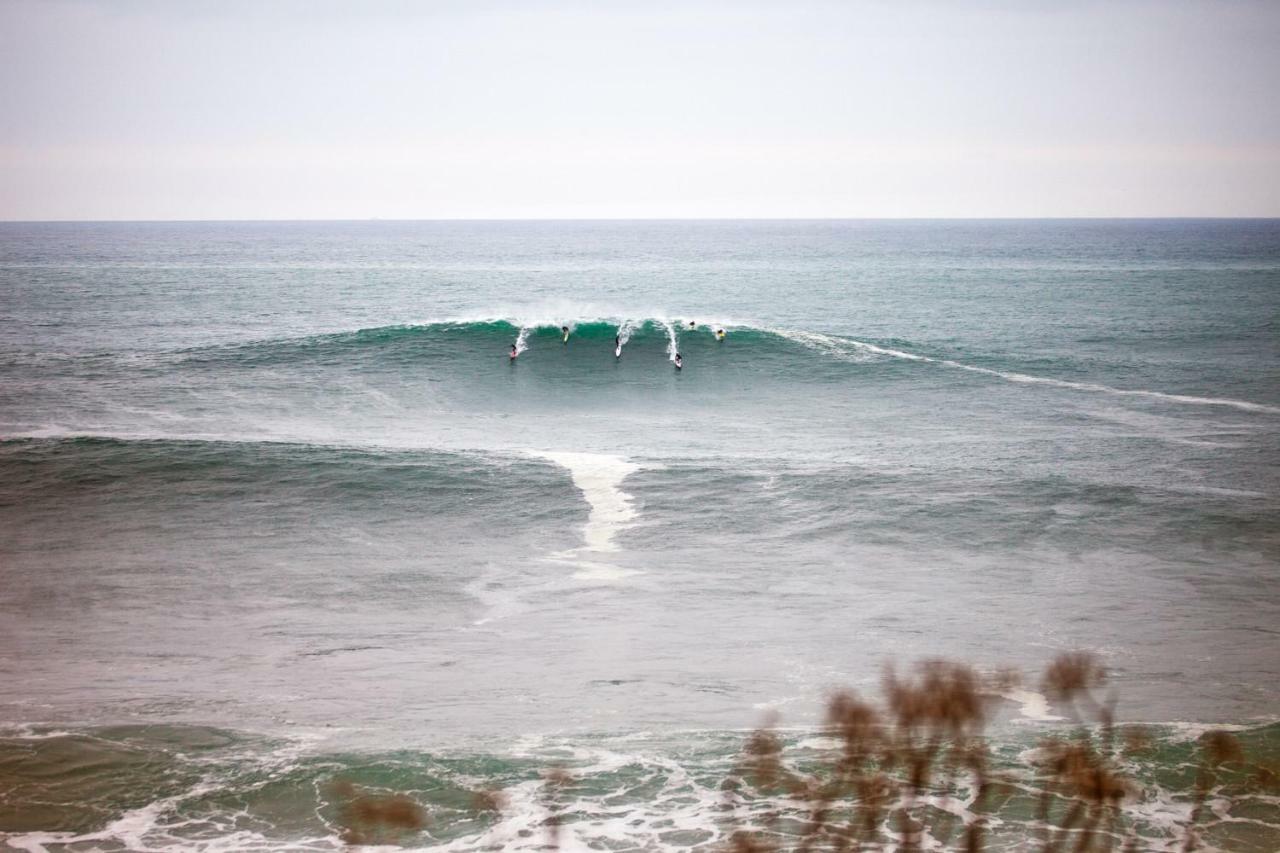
373, 818
890, 762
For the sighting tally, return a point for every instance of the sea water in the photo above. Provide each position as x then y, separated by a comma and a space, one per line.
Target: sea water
277, 508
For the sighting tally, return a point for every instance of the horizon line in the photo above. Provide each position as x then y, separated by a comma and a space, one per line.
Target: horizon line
283, 220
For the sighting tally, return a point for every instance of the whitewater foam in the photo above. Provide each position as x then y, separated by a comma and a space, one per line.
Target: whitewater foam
593, 571
130, 830
673, 346
598, 476
845, 348
828, 345
1098, 388
625, 331
1032, 705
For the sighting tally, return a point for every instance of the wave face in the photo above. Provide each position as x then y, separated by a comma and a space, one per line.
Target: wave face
611, 389
588, 339
764, 352
488, 341
276, 508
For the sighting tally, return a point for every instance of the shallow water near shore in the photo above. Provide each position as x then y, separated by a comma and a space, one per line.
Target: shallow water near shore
276, 507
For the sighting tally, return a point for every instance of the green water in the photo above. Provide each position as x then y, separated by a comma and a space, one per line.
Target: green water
277, 509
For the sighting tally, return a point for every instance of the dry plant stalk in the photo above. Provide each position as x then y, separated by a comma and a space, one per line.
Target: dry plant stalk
929, 732
488, 800
889, 760
369, 818
1216, 749
927, 736
555, 781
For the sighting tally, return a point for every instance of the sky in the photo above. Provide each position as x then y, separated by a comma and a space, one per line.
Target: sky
125, 109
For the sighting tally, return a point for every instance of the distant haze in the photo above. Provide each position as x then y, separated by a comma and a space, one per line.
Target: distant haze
314, 110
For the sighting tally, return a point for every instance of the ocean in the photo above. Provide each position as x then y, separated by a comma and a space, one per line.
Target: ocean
279, 513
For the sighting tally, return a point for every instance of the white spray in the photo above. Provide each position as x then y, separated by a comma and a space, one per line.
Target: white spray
522, 339
672, 345
624, 335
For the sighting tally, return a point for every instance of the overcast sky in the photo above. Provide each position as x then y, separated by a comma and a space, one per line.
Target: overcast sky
314, 110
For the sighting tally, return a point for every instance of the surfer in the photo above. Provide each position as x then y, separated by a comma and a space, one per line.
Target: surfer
617, 346
512, 355
565, 329
719, 334
692, 325
679, 362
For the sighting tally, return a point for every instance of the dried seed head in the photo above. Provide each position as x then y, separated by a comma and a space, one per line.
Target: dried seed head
373, 818
945, 696
1071, 674
1136, 739
1221, 747
488, 800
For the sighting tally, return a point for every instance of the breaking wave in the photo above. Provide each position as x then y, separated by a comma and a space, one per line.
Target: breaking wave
196, 788
751, 344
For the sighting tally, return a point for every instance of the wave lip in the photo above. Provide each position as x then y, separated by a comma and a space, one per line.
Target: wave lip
410, 346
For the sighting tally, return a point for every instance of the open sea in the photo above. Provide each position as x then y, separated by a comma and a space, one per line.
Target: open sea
277, 511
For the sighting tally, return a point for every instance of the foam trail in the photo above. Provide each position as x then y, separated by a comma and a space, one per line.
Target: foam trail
1243, 405
624, 335
522, 339
844, 350
593, 571
1032, 705
839, 348
672, 345
598, 476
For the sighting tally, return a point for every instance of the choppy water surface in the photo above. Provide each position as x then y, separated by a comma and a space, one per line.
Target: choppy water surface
277, 508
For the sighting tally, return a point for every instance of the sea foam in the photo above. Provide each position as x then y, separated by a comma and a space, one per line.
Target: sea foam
854, 350
599, 477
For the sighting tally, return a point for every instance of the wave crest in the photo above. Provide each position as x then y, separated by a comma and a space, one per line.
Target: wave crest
763, 346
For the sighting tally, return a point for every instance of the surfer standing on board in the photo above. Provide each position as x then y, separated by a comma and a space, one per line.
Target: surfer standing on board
565, 329
719, 334
617, 346
679, 362
512, 355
